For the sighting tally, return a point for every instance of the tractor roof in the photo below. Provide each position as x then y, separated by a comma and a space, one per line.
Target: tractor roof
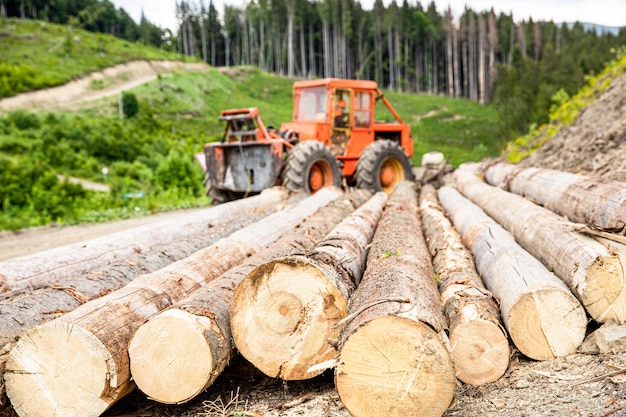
336, 83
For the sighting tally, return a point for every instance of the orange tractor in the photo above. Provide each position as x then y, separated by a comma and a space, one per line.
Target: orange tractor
333, 139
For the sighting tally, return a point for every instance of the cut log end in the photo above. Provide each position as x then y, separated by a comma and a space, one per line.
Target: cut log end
283, 318
392, 366
480, 351
171, 360
545, 324
604, 293
51, 360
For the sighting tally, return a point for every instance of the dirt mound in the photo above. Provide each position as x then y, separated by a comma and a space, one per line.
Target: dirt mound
595, 144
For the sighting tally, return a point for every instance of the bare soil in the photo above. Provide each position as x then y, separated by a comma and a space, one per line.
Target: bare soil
577, 385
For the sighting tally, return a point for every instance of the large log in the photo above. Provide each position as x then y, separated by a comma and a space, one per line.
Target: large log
285, 312
78, 364
478, 342
108, 261
62, 279
596, 202
542, 316
393, 360
594, 273
178, 353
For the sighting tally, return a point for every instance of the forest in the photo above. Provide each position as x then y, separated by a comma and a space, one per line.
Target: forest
519, 66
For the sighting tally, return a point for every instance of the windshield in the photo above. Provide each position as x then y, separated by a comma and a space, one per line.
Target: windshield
312, 105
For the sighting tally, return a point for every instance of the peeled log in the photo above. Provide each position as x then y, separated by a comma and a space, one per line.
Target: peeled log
594, 273
285, 311
596, 202
77, 365
479, 344
178, 353
393, 361
543, 318
119, 257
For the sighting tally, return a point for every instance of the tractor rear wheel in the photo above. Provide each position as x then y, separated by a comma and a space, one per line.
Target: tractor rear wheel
382, 165
311, 166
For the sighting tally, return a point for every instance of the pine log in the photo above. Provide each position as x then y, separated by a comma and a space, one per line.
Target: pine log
178, 353
285, 311
542, 316
393, 360
478, 342
594, 274
599, 203
64, 278
78, 364
120, 256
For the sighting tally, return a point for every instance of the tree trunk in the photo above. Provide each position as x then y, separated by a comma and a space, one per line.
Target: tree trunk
91, 269
284, 313
540, 313
479, 344
121, 256
179, 353
392, 359
79, 362
599, 203
590, 270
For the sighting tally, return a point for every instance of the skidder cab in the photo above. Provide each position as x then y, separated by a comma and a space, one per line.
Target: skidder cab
333, 139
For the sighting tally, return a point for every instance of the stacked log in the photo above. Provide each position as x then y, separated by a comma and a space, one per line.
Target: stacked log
48, 284
178, 353
596, 202
393, 360
543, 318
593, 272
479, 345
78, 365
285, 312
130, 253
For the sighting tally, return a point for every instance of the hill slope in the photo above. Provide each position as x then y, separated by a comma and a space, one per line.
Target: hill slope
596, 143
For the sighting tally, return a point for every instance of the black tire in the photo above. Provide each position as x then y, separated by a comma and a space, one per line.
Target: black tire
310, 166
216, 195
382, 165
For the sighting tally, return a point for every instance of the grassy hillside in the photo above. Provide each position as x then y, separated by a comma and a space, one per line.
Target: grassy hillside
150, 156
36, 54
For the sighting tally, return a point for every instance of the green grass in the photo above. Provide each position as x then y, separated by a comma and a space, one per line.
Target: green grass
190, 104
52, 54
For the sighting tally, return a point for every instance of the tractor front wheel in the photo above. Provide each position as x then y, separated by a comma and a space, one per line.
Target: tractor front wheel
218, 196
382, 165
311, 166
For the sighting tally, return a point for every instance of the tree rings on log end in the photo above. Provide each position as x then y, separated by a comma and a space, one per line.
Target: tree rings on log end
547, 323
60, 369
604, 292
395, 367
171, 357
283, 317
480, 351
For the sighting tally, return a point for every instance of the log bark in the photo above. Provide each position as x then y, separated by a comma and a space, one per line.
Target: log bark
393, 360
599, 203
178, 353
285, 312
543, 318
78, 364
478, 342
129, 253
594, 273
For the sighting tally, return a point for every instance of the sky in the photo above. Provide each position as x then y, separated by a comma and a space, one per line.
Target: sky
602, 12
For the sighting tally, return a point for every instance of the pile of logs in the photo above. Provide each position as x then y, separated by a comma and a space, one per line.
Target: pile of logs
400, 295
